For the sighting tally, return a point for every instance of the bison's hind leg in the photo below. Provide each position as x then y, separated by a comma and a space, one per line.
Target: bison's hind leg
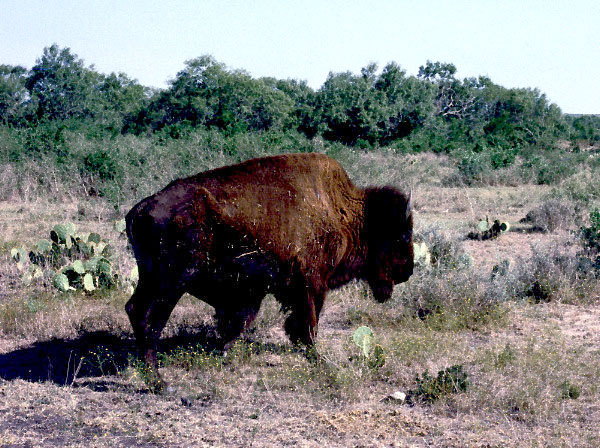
149, 309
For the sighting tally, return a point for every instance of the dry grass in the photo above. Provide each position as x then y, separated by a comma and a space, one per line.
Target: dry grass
69, 380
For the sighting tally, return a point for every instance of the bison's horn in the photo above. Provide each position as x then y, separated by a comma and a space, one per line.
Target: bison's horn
409, 204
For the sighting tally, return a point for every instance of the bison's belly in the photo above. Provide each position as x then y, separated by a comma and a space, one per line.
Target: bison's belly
252, 266
236, 276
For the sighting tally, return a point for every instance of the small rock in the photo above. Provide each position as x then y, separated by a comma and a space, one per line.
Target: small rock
397, 397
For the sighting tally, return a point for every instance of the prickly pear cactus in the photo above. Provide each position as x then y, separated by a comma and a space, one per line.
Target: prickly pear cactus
120, 226
88, 282
31, 274
79, 261
134, 275
485, 231
19, 255
44, 246
91, 265
421, 254
78, 267
374, 355
363, 337
64, 232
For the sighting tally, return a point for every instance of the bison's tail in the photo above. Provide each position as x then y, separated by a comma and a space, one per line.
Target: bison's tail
129, 223
134, 226
143, 237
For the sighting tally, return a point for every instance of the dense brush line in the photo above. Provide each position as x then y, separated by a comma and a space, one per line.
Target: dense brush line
67, 129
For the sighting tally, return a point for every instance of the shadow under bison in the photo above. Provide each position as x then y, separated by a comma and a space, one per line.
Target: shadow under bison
91, 355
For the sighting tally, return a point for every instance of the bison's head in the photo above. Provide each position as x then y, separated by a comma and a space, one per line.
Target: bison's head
388, 228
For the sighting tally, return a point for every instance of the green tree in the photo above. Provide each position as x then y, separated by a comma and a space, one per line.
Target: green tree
522, 117
408, 103
206, 93
455, 98
370, 108
349, 108
117, 97
437, 71
13, 94
301, 115
584, 127
60, 86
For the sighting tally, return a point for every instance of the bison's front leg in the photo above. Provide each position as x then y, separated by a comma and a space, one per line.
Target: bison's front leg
149, 309
302, 324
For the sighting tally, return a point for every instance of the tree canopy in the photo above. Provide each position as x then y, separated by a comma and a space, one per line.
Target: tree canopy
431, 111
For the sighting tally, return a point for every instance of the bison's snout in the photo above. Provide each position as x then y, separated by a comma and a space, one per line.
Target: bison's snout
403, 275
382, 290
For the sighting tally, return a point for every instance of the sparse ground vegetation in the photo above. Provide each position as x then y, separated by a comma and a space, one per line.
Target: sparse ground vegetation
518, 315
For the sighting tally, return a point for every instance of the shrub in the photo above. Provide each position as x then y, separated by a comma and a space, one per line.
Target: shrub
551, 215
551, 274
505, 357
583, 187
570, 390
451, 380
502, 158
472, 166
590, 236
446, 253
453, 301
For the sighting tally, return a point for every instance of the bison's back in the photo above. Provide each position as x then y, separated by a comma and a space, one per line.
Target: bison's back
291, 203
299, 207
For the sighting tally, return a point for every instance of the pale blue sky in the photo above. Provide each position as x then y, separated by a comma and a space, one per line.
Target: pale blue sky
552, 45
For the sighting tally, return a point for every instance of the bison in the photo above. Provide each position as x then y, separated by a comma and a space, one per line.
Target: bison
292, 225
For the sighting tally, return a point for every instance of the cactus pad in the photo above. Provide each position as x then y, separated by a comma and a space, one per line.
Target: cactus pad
363, 337
103, 266
78, 267
31, 274
120, 226
19, 254
64, 232
61, 282
44, 246
108, 251
134, 275
483, 226
421, 254
88, 282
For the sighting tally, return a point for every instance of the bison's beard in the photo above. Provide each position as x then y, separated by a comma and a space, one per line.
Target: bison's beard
382, 290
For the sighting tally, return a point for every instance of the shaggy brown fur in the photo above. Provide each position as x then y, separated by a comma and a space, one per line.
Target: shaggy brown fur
293, 225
